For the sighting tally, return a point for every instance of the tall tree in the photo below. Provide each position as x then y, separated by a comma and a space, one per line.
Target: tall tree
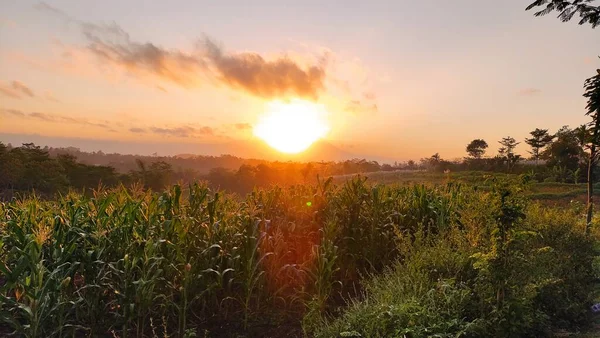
507, 151
540, 138
477, 148
587, 12
592, 93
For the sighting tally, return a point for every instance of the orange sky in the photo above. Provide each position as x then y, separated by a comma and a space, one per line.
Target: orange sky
398, 81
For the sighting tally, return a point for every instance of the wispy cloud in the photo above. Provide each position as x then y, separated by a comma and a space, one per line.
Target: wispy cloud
13, 112
137, 130
529, 92
356, 106
183, 131
242, 126
250, 72
55, 118
16, 89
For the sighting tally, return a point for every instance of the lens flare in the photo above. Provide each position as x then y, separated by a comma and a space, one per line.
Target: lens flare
292, 127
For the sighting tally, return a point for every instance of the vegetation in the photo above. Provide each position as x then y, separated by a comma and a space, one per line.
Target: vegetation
592, 93
477, 148
587, 12
48, 171
540, 138
93, 245
187, 261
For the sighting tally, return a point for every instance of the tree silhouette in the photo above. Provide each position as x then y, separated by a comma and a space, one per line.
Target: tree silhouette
566, 151
592, 93
540, 138
477, 148
507, 151
587, 12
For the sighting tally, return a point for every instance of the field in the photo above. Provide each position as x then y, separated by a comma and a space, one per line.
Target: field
549, 193
463, 255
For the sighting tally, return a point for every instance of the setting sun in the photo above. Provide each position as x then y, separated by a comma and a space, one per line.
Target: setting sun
292, 127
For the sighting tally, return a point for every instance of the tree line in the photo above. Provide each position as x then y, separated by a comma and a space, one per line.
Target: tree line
47, 171
554, 157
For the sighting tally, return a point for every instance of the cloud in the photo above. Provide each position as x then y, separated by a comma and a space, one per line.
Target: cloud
356, 106
242, 126
7, 91
16, 90
22, 88
529, 92
369, 95
250, 72
13, 112
112, 45
137, 130
54, 118
268, 79
48, 95
183, 131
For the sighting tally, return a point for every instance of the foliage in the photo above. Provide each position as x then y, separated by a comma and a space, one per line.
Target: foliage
566, 151
507, 152
587, 12
476, 149
187, 260
502, 269
540, 138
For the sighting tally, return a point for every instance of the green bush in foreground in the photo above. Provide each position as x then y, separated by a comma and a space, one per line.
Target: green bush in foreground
446, 260
523, 272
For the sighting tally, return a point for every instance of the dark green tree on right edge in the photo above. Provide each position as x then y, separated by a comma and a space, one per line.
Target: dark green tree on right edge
588, 14
592, 93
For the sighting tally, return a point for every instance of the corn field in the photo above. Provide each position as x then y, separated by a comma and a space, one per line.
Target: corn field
194, 262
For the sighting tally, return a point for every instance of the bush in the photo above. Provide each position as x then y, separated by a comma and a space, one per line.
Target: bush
446, 260
520, 275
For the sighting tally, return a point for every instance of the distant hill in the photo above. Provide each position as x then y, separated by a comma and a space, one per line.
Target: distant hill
252, 148
199, 157
258, 149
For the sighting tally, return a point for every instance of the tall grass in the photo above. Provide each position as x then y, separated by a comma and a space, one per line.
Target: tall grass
191, 261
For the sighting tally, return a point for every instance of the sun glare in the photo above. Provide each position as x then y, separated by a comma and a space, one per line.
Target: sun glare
292, 127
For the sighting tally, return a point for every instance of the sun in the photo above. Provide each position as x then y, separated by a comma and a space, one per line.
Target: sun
292, 127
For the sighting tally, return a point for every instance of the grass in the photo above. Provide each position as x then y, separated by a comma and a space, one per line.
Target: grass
549, 193
322, 260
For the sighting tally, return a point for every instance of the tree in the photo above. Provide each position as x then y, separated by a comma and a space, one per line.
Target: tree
540, 138
566, 151
587, 12
508, 145
592, 93
433, 162
477, 148
507, 151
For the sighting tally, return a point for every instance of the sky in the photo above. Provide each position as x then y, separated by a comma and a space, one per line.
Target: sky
398, 79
